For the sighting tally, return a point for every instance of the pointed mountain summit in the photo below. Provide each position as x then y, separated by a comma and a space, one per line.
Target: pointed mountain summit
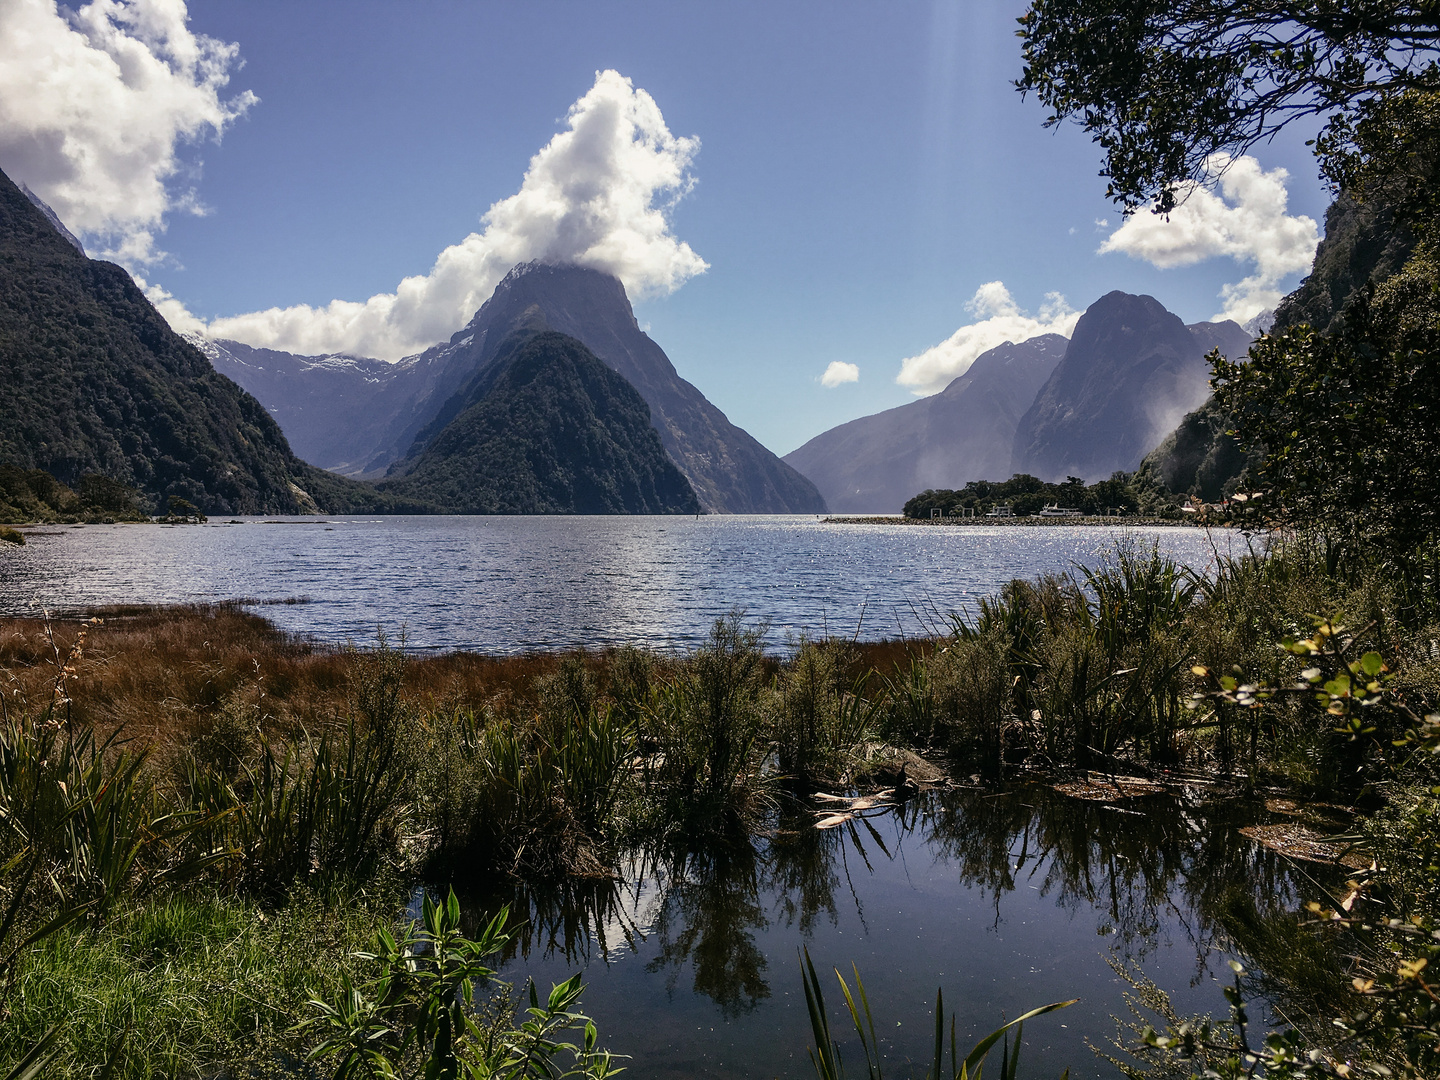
729, 470
963, 433
1131, 372
360, 416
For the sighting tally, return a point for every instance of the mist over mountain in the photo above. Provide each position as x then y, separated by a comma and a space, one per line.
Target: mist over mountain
96, 383
963, 433
1131, 372
546, 428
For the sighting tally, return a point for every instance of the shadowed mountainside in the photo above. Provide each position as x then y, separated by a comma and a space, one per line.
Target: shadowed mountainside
96, 383
547, 429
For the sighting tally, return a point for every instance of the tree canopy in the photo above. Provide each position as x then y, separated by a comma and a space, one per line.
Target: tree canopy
1164, 86
1350, 420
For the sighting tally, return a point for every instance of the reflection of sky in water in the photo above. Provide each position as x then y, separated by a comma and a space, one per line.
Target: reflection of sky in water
1007, 901
506, 584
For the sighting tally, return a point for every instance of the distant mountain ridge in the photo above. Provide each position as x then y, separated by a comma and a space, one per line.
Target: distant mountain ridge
729, 470
353, 415
963, 433
1131, 372
96, 383
1087, 407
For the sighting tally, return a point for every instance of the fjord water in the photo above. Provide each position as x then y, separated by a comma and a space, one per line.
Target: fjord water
1006, 900
510, 584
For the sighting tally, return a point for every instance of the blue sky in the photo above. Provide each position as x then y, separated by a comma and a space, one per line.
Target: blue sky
863, 170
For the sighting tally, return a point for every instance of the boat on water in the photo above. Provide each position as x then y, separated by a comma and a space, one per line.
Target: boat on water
1055, 510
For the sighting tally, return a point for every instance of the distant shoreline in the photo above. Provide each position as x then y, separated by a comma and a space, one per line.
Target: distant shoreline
1031, 522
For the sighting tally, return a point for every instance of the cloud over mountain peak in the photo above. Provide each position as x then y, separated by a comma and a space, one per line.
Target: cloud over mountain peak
599, 195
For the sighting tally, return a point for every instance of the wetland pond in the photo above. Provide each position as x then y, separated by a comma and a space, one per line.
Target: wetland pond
1007, 900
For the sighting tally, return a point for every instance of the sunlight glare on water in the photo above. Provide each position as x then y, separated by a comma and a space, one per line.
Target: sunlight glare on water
511, 584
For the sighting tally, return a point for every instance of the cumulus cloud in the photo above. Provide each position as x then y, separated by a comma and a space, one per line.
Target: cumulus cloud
998, 320
96, 100
599, 195
839, 372
1241, 216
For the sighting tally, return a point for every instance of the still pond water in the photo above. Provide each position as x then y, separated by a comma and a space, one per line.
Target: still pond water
1007, 900
510, 584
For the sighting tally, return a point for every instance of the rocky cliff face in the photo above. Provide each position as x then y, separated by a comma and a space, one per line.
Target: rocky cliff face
1130, 374
963, 433
96, 382
547, 429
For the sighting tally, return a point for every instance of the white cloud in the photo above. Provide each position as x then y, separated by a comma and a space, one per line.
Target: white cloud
839, 372
599, 194
999, 319
1244, 220
94, 103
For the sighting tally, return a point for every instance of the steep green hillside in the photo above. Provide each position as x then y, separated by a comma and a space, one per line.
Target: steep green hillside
547, 429
1362, 244
95, 382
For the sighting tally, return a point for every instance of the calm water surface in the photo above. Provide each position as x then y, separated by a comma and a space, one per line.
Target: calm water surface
1008, 901
508, 584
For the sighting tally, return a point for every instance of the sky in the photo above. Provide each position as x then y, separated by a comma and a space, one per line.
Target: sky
821, 209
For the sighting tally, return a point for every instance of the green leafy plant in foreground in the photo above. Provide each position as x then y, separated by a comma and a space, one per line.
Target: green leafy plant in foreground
1393, 1028
418, 1018
825, 1054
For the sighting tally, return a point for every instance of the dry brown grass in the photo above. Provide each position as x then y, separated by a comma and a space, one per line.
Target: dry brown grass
157, 671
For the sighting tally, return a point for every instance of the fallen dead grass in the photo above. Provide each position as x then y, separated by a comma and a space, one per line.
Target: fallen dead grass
1300, 842
157, 670
1108, 789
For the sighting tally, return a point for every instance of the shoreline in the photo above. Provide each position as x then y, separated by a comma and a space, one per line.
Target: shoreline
1025, 522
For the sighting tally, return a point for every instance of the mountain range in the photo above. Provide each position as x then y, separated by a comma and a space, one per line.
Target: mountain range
361, 416
1086, 407
962, 433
